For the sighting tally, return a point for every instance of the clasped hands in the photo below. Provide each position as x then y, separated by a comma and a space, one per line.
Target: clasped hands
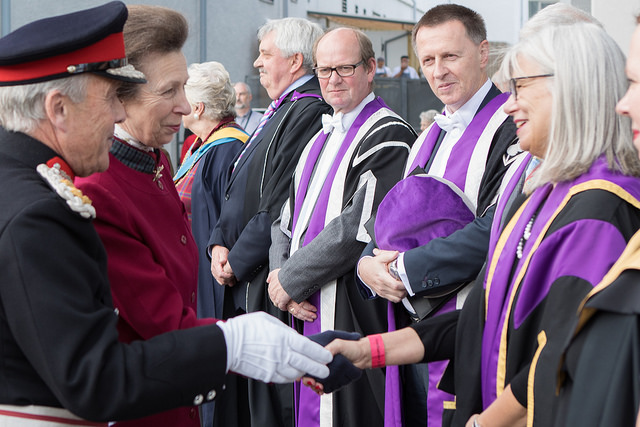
220, 267
304, 311
374, 271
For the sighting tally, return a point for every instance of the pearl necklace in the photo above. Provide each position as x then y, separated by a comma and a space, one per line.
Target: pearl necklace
525, 236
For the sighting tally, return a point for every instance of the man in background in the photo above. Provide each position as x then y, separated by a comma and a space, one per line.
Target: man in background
245, 116
404, 70
382, 70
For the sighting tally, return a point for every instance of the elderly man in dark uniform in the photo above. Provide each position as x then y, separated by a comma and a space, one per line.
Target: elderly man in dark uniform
61, 358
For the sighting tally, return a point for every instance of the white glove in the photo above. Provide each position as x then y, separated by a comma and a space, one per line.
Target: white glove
260, 346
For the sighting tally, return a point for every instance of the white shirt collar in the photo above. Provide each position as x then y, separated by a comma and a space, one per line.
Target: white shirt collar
350, 117
126, 136
302, 80
468, 110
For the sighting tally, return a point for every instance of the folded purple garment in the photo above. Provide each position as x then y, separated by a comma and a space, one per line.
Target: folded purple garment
418, 209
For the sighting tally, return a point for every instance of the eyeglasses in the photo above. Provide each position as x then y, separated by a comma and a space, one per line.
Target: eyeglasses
342, 70
513, 88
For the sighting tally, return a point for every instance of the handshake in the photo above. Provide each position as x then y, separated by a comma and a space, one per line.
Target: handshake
259, 346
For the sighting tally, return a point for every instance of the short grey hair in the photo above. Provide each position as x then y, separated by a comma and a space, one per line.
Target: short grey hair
22, 107
589, 78
209, 83
294, 35
428, 115
246, 86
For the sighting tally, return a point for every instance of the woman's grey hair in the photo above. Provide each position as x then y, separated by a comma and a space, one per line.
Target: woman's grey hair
209, 83
294, 35
588, 79
22, 107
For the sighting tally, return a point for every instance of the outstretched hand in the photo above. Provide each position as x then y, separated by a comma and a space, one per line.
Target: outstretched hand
341, 371
260, 346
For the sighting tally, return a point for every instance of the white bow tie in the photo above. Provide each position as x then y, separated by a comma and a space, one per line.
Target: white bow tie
330, 123
448, 123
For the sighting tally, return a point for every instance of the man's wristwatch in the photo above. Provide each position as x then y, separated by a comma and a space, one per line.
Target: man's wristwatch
393, 269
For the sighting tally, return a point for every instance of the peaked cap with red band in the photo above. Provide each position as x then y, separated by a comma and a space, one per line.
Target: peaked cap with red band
88, 41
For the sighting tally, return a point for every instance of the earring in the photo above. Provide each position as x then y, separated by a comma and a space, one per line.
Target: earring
196, 116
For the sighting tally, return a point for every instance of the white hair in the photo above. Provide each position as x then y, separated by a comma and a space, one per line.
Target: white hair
246, 86
588, 79
428, 115
294, 35
22, 106
209, 83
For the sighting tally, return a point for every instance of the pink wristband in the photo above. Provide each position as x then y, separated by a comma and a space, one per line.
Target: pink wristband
377, 351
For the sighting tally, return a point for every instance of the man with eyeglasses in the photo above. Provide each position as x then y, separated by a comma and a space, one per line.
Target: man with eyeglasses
469, 148
343, 173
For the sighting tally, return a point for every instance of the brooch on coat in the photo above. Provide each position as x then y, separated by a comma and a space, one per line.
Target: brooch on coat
60, 182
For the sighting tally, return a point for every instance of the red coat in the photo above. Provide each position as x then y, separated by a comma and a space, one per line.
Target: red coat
152, 260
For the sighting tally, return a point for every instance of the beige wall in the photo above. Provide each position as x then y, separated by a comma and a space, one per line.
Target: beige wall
618, 18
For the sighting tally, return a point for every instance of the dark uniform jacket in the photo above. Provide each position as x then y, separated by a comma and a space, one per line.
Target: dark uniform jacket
259, 186
58, 339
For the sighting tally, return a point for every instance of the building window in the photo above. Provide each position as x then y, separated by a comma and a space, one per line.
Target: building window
344, 6
536, 5
356, 9
267, 1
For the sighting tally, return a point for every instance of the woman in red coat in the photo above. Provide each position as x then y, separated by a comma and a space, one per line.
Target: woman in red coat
152, 256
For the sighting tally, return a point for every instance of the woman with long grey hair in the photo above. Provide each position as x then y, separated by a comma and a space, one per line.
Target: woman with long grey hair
560, 241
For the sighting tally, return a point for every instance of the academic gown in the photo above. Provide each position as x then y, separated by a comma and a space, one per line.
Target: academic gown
207, 192
476, 166
203, 175
598, 375
321, 268
58, 330
518, 306
253, 196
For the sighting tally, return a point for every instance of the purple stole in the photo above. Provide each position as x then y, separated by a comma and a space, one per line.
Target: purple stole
456, 172
460, 157
501, 205
308, 406
501, 286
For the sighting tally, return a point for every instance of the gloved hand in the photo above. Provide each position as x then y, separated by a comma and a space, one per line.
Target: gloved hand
341, 370
260, 346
